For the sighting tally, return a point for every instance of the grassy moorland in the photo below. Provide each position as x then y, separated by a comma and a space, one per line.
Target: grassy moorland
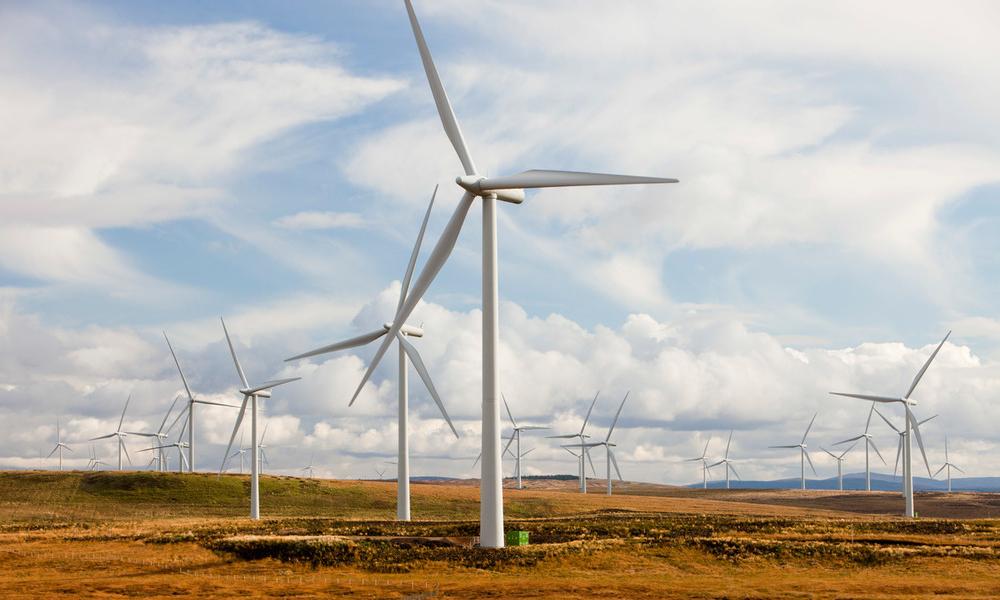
167, 535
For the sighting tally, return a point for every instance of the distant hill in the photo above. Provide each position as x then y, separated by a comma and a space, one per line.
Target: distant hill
856, 481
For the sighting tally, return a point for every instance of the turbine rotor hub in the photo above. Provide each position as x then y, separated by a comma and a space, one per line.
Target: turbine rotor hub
474, 185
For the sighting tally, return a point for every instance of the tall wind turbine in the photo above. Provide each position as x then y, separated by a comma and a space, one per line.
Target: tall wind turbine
584, 452
804, 454
189, 409
120, 436
727, 461
516, 438
399, 331
610, 458
900, 445
840, 464
948, 465
59, 444
250, 394
910, 420
160, 435
869, 442
489, 190
704, 462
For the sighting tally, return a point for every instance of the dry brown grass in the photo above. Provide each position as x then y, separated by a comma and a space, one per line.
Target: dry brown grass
684, 544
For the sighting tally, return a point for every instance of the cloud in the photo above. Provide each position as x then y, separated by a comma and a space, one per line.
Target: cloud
320, 220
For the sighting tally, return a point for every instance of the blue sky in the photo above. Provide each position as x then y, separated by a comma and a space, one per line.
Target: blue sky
837, 213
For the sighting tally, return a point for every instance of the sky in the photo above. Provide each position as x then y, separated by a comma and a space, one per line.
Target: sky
165, 164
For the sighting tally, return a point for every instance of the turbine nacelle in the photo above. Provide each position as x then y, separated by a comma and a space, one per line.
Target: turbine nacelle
407, 330
480, 186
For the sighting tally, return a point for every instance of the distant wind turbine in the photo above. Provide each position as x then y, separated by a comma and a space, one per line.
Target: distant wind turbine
308, 468
948, 465
704, 463
516, 439
610, 458
869, 442
909, 421
160, 435
585, 452
727, 461
59, 445
840, 464
900, 445
120, 436
250, 395
803, 453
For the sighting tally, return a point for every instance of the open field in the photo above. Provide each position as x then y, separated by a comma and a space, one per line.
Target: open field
164, 535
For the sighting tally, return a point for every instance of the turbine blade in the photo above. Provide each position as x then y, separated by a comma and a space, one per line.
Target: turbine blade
561, 437
923, 369
405, 285
418, 364
215, 403
869, 421
853, 439
267, 385
957, 469
236, 428
866, 397
571, 452
614, 462
505, 405
806, 452
167, 416
435, 261
122, 420
589, 410
875, 448
936, 473
476, 462
180, 416
236, 361
887, 422
354, 342
507, 447
534, 428
103, 437
828, 452
806, 434
617, 414
716, 464
444, 109
899, 450
179, 370
792, 446
593, 471
705, 451
726, 455
541, 178
125, 448
730, 465
920, 440
53, 452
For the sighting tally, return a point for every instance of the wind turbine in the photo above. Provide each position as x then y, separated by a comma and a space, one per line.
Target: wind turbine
516, 437
399, 331
241, 452
727, 461
948, 465
250, 394
160, 435
308, 468
909, 420
610, 458
181, 459
489, 190
840, 464
189, 409
902, 435
581, 437
261, 450
59, 444
704, 462
803, 453
380, 473
95, 463
120, 435
869, 442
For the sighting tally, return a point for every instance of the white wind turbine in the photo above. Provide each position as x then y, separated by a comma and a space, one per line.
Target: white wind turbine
399, 331
95, 463
489, 190
582, 438
120, 436
516, 439
250, 395
381, 473
182, 463
909, 421
189, 409
948, 465
308, 468
804, 454
900, 445
160, 435
59, 445
840, 464
610, 458
728, 462
241, 453
704, 462
869, 442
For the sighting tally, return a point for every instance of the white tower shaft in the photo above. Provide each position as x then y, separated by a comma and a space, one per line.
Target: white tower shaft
403, 445
491, 481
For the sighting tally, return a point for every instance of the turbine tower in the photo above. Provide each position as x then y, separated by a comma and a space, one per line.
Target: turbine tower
516, 439
704, 462
948, 465
727, 461
840, 464
869, 442
610, 458
804, 454
581, 437
250, 394
59, 444
120, 435
189, 409
399, 331
902, 434
909, 421
489, 190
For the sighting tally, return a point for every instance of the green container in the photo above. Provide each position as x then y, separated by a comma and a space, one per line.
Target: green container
517, 538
